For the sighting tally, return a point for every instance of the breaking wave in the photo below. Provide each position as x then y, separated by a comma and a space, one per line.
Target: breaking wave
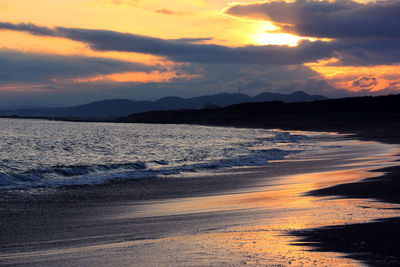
98, 174
36, 153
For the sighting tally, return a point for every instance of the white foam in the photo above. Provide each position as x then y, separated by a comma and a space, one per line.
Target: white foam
36, 154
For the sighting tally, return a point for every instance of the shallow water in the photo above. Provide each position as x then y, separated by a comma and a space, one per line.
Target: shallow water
50, 153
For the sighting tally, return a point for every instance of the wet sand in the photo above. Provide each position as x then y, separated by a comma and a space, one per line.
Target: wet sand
376, 242
244, 216
382, 188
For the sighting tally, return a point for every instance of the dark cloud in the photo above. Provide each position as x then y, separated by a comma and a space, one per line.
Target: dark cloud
366, 53
216, 78
350, 52
28, 27
255, 68
315, 85
252, 79
186, 52
365, 82
328, 19
193, 40
257, 84
182, 51
32, 67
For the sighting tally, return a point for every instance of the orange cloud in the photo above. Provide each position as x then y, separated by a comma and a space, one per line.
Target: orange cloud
359, 78
139, 77
378, 84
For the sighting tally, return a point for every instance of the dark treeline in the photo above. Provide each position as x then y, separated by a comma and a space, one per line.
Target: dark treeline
375, 114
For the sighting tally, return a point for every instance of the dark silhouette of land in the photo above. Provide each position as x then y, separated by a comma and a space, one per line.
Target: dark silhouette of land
375, 117
113, 108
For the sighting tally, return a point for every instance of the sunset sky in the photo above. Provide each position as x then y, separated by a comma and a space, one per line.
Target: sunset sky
62, 52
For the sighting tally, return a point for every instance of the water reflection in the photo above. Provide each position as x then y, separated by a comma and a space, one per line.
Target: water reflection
256, 232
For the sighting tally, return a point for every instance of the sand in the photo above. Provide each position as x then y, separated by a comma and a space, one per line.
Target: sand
242, 216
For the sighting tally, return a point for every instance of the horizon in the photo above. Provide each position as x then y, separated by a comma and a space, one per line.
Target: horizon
138, 50
29, 104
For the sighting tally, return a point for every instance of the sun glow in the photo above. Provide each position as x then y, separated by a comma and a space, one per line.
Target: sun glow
276, 39
266, 34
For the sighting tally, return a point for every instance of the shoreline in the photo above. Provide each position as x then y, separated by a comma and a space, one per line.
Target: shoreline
213, 182
38, 208
374, 243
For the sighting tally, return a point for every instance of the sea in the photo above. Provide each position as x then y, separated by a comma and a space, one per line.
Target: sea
43, 153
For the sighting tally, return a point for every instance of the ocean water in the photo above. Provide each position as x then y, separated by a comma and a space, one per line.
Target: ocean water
40, 153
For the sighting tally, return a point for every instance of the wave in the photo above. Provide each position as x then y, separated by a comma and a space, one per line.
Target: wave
287, 137
61, 175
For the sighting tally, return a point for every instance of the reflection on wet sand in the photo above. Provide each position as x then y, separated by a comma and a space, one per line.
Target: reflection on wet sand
261, 222
247, 226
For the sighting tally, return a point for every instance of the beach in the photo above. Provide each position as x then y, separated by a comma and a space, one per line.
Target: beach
199, 133
251, 216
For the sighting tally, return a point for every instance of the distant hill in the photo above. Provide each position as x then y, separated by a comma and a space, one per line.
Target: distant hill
113, 108
347, 113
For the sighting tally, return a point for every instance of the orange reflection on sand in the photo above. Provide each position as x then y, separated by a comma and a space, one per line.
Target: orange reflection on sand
280, 209
326, 179
266, 239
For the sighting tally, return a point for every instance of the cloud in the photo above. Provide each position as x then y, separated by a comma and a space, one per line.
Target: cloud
367, 53
217, 68
33, 67
255, 79
194, 40
365, 82
349, 51
181, 50
166, 11
28, 27
328, 19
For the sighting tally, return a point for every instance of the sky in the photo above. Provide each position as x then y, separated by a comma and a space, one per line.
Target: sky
66, 52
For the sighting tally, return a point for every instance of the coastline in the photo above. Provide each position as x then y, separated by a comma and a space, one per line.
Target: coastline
60, 215
376, 242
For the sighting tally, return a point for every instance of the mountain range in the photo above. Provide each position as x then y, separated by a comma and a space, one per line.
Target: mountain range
113, 108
